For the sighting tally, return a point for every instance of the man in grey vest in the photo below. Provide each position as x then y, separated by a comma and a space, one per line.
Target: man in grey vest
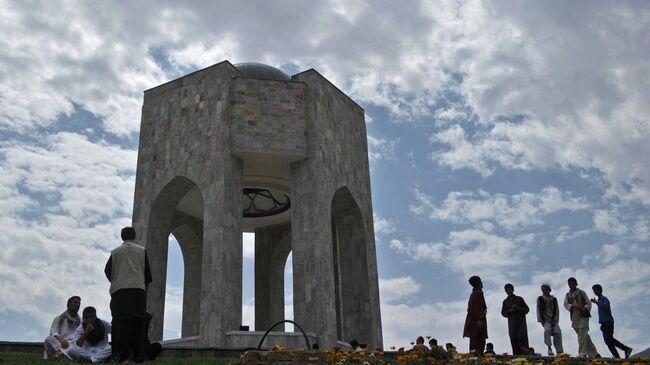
548, 314
128, 271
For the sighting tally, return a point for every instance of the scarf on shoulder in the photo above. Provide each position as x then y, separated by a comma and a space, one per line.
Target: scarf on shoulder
97, 334
65, 317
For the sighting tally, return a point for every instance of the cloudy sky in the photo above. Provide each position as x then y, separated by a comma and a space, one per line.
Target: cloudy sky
507, 139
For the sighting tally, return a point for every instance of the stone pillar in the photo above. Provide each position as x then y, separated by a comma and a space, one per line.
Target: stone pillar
157, 247
312, 255
352, 287
221, 289
272, 247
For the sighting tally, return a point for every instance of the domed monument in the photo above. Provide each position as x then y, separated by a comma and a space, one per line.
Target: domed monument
248, 148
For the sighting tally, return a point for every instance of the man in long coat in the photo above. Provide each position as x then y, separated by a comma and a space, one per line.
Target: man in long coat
476, 322
515, 309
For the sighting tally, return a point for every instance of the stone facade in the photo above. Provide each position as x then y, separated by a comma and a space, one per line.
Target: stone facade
268, 117
210, 134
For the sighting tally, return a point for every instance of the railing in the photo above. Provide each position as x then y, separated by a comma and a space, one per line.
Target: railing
259, 347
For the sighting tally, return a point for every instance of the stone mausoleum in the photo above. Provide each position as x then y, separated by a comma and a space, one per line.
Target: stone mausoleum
248, 148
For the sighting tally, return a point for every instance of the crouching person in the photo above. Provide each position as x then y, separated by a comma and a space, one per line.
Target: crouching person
63, 330
91, 343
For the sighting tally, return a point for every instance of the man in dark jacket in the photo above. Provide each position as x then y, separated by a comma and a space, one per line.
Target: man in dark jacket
476, 321
515, 309
128, 271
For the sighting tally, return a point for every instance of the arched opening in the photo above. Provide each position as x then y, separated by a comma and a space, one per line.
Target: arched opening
248, 280
288, 293
173, 318
178, 210
351, 280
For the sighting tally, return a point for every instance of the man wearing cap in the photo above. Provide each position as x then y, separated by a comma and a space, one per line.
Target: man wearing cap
578, 304
548, 314
476, 321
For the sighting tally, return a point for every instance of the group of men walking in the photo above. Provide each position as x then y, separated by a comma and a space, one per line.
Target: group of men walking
86, 338
515, 309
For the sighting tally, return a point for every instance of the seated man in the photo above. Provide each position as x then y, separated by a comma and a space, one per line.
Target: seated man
489, 349
91, 339
63, 329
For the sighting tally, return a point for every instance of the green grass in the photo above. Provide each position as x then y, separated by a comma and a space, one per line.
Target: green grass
20, 358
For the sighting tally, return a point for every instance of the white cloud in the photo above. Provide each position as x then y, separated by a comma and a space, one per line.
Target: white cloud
93, 182
608, 222
78, 196
607, 254
72, 53
450, 114
566, 233
481, 155
512, 212
381, 149
397, 288
249, 245
383, 226
642, 229
528, 63
521, 62
173, 316
471, 252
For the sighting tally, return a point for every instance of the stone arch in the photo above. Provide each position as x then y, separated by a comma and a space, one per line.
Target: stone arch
351, 277
188, 231
165, 219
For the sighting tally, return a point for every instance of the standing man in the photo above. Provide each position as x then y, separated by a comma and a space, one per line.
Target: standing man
128, 271
475, 322
548, 314
515, 309
607, 323
63, 329
578, 304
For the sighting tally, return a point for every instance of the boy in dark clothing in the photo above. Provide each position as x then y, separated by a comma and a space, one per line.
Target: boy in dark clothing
515, 309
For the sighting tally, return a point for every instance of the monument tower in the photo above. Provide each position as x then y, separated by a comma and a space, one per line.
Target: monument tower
247, 148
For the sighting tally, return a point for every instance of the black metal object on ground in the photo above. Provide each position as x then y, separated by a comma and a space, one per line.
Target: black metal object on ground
259, 347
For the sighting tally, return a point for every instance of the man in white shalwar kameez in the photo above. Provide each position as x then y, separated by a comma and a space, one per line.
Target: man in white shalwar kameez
91, 343
63, 329
578, 304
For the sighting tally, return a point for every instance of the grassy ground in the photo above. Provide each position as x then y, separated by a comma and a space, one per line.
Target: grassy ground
19, 358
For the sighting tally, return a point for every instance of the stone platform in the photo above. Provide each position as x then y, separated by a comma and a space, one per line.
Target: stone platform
251, 339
